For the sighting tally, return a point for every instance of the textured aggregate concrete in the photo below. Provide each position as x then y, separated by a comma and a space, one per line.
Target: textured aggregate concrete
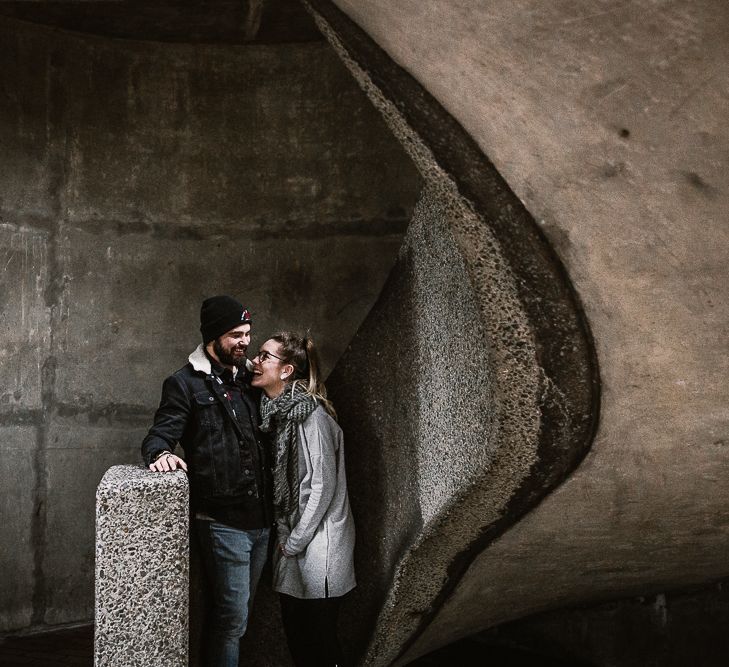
424, 428
142, 569
482, 399
138, 178
607, 121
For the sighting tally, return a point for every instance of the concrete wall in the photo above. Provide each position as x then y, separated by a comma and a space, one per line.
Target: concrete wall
136, 179
607, 121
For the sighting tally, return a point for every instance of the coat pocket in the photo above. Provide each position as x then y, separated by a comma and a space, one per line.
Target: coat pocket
207, 409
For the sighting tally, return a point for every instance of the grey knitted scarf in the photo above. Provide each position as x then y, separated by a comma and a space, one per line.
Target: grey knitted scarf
283, 414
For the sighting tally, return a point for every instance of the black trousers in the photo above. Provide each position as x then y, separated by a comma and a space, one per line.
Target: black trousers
311, 631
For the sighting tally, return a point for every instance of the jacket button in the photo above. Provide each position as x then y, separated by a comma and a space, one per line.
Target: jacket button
210, 398
250, 492
246, 472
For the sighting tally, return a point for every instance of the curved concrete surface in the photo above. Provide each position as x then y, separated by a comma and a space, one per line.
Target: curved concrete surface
607, 121
471, 389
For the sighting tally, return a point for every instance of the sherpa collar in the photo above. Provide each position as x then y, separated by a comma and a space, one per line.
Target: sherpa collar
199, 360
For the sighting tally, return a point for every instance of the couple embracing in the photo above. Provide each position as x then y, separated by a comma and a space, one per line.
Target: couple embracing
265, 459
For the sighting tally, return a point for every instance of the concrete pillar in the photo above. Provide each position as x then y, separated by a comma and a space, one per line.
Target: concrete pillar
142, 569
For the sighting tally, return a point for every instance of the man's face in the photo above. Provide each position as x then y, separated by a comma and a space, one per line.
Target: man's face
230, 348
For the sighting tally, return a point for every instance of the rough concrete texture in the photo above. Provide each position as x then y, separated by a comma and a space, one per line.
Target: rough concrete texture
25, 320
16, 495
142, 569
136, 179
608, 122
499, 399
425, 428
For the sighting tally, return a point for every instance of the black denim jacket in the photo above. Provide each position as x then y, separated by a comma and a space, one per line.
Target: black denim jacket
226, 464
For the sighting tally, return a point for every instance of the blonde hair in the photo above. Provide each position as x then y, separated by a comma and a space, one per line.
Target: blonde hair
301, 353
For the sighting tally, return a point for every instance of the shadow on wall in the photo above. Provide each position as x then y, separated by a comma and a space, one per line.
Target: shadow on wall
672, 629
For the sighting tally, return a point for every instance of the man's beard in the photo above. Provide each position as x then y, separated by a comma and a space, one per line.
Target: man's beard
226, 358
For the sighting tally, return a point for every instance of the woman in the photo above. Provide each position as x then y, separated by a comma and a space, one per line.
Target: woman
313, 562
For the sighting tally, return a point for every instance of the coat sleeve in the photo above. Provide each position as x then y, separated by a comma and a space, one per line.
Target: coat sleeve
321, 446
170, 420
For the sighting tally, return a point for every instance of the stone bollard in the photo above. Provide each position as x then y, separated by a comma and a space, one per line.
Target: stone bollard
142, 569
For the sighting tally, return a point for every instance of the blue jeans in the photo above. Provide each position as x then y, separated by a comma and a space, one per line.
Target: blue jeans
233, 560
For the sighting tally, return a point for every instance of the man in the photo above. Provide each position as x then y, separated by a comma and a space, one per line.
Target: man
209, 408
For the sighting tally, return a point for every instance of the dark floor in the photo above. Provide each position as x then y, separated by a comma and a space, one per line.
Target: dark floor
675, 629
470, 653
61, 647
75, 647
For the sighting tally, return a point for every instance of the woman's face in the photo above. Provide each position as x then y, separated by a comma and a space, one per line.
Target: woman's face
269, 371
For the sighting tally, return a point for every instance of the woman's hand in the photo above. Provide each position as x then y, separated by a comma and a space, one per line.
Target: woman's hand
282, 551
167, 462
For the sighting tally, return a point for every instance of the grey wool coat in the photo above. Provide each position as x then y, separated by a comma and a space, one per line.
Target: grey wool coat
321, 541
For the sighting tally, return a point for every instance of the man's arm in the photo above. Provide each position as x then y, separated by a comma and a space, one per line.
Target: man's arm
169, 424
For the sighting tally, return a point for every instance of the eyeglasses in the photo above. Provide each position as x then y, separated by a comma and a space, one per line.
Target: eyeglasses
263, 355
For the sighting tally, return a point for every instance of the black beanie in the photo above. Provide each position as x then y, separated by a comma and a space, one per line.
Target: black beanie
220, 314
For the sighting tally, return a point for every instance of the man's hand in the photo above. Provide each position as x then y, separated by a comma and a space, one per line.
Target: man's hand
167, 463
282, 550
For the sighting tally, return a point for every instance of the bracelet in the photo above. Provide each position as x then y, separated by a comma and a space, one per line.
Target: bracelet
160, 455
